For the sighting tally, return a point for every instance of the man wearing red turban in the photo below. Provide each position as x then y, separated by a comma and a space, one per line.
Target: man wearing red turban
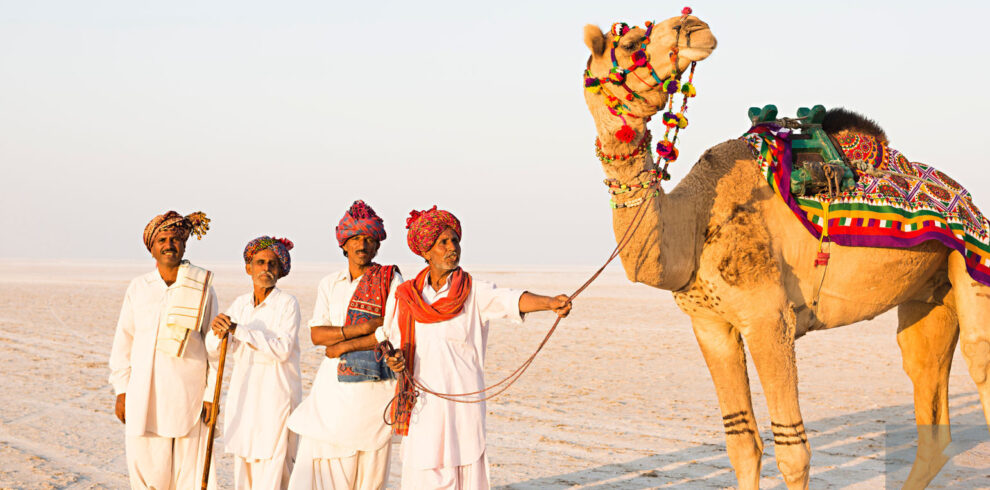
442, 327
343, 439
159, 366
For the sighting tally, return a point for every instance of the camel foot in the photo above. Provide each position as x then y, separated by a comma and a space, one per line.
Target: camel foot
931, 456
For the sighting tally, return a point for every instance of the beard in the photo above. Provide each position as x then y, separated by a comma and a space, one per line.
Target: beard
265, 279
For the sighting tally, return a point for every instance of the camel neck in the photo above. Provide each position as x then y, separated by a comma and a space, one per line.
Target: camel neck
661, 251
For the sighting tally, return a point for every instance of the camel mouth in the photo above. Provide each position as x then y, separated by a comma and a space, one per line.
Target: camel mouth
696, 53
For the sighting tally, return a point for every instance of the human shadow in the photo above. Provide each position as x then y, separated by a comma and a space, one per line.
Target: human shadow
846, 449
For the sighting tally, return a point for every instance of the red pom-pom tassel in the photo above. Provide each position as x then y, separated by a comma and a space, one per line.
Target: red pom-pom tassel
625, 134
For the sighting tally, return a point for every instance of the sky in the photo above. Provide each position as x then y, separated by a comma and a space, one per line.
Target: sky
272, 117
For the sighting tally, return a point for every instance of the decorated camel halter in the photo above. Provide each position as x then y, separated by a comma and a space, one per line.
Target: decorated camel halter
674, 122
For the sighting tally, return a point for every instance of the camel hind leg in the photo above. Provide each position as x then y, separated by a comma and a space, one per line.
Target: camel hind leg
927, 335
972, 301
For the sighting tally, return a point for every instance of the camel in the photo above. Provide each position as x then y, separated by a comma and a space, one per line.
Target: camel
742, 266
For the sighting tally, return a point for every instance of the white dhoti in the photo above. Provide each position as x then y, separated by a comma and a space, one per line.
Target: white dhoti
167, 463
362, 470
472, 476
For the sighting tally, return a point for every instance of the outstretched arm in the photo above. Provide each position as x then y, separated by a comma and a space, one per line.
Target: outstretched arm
530, 302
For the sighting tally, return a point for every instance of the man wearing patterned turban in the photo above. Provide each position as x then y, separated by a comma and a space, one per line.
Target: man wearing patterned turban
444, 313
159, 366
266, 384
343, 440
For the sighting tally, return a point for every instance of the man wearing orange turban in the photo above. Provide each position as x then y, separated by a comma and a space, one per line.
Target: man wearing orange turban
442, 327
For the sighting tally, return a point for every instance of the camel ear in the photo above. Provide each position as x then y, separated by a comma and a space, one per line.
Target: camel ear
594, 39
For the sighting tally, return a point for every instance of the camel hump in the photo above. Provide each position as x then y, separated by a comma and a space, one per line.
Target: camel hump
839, 121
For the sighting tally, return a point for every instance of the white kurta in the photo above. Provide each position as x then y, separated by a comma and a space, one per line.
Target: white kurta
165, 394
450, 358
265, 385
343, 418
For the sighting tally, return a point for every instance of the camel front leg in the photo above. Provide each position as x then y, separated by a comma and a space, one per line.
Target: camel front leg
927, 336
723, 350
770, 338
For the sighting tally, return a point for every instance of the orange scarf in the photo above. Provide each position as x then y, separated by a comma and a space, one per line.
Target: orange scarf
412, 310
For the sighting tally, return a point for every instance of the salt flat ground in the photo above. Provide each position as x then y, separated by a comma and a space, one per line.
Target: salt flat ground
620, 397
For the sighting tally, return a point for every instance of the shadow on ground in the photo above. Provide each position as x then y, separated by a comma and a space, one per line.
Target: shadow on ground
846, 450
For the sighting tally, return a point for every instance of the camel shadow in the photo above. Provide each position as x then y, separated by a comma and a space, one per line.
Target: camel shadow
846, 450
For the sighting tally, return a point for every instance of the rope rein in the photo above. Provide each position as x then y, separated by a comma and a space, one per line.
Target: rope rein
649, 182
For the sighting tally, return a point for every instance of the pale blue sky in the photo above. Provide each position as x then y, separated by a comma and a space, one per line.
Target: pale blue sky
272, 117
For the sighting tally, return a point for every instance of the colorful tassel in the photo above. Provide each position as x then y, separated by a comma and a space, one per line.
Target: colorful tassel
625, 134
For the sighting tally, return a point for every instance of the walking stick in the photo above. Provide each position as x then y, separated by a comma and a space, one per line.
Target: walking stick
214, 409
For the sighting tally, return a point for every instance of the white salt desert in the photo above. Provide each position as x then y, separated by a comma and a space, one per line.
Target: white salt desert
619, 398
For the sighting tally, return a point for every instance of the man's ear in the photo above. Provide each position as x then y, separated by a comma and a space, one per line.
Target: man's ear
247, 268
594, 39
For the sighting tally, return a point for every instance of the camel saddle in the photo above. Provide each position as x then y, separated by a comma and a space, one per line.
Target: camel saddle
818, 166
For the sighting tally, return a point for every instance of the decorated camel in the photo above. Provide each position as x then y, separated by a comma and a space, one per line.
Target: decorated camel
743, 266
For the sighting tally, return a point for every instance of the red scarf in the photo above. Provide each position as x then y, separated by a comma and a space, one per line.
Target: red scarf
412, 310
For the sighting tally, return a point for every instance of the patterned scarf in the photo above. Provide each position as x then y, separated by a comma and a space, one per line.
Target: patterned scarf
412, 310
367, 302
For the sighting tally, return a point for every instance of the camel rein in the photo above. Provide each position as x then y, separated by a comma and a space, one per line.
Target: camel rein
665, 151
509, 380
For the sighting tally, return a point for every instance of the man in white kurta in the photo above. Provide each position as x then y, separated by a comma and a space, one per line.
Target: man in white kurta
445, 444
344, 442
446, 441
162, 397
266, 384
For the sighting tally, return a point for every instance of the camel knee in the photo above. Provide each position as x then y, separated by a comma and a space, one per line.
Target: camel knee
794, 464
977, 354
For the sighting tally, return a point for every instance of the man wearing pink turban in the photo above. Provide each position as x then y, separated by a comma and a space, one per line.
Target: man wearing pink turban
441, 325
266, 384
343, 439
159, 366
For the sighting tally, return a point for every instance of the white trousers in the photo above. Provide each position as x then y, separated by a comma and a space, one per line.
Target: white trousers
261, 474
167, 463
472, 476
267, 474
364, 470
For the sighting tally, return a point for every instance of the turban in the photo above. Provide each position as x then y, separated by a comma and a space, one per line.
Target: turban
426, 226
360, 220
196, 223
280, 246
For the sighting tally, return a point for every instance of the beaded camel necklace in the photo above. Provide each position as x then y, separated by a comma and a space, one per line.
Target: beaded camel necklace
674, 121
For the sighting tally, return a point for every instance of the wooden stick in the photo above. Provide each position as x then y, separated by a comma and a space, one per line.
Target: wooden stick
215, 409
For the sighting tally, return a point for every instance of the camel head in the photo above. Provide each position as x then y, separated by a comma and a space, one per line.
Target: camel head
628, 67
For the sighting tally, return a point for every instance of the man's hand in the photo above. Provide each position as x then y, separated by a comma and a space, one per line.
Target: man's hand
207, 413
118, 408
371, 325
221, 325
560, 305
397, 362
333, 351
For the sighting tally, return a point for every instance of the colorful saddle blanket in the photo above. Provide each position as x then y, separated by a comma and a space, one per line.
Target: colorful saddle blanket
895, 203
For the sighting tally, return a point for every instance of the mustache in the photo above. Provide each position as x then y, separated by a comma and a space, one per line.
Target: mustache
170, 250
